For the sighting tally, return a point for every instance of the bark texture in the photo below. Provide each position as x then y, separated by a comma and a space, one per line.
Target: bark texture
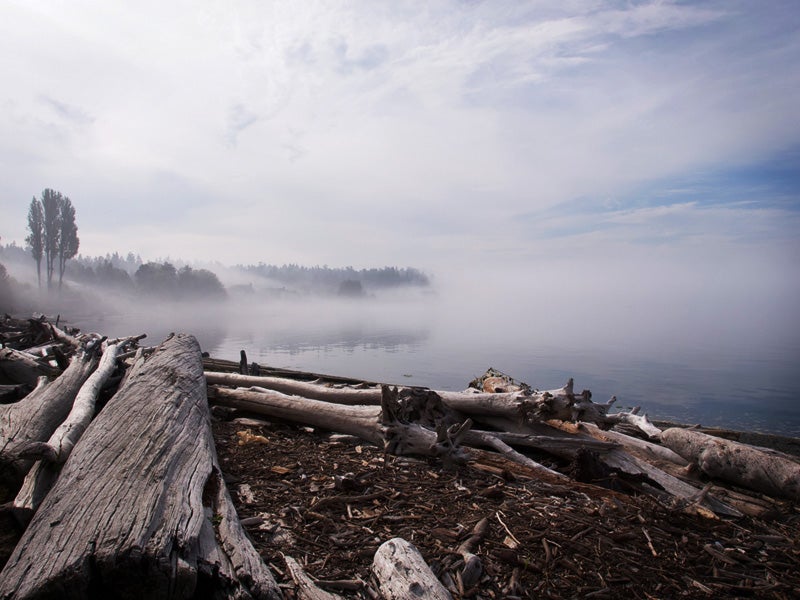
764, 471
36, 417
403, 574
140, 508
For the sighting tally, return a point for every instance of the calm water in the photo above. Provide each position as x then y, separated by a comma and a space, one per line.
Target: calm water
688, 368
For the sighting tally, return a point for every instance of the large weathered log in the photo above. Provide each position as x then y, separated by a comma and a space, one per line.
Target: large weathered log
36, 417
757, 469
140, 508
403, 574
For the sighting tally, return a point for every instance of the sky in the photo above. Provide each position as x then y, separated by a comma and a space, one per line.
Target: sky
579, 142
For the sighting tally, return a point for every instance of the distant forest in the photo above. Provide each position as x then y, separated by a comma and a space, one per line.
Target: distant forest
334, 278
130, 274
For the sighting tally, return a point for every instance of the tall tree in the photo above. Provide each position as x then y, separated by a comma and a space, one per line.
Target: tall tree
68, 241
51, 202
36, 236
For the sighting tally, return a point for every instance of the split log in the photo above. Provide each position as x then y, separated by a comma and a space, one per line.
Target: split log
140, 508
403, 574
768, 472
36, 417
17, 367
56, 450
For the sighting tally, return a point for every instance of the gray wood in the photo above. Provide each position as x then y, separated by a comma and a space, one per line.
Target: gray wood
140, 509
757, 469
36, 417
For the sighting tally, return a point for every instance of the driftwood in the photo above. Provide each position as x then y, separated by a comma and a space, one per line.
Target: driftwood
140, 508
403, 574
56, 450
21, 367
306, 588
520, 405
36, 417
383, 426
757, 469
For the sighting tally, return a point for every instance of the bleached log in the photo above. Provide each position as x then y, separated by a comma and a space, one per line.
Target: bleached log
292, 387
361, 421
403, 574
626, 460
646, 450
306, 588
379, 425
741, 464
522, 405
17, 367
56, 450
36, 417
140, 508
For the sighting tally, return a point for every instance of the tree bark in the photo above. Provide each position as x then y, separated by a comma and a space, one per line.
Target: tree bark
36, 417
764, 471
403, 574
140, 508
21, 367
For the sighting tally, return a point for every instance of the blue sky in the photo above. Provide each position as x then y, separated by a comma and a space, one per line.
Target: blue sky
444, 135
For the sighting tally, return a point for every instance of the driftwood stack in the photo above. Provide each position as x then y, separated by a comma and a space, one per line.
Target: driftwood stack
118, 488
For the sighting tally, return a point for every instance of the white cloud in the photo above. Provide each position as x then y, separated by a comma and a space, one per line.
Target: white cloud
420, 131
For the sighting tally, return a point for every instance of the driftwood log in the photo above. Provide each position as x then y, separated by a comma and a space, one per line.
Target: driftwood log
52, 454
403, 574
140, 508
36, 417
762, 470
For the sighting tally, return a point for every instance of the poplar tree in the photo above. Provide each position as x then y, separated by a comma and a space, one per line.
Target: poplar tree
51, 202
36, 236
68, 241
53, 234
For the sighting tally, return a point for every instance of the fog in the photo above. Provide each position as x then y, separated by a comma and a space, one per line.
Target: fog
696, 341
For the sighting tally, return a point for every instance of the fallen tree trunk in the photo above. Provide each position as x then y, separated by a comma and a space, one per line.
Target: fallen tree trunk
382, 426
756, 469
36, 417
140, 508
522, 405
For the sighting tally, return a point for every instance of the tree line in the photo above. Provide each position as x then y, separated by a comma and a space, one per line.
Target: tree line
333, 278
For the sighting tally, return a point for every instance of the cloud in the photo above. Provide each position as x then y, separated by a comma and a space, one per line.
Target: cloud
430, 133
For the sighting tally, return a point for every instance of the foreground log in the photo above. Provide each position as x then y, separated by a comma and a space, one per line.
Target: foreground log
764, 471
36, 417
402, 573
140, 508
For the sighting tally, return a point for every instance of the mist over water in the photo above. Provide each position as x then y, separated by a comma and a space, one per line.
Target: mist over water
721, 357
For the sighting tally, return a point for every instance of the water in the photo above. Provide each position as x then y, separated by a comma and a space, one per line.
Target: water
727, 374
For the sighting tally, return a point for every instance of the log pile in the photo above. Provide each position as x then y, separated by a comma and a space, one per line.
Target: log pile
110, 469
